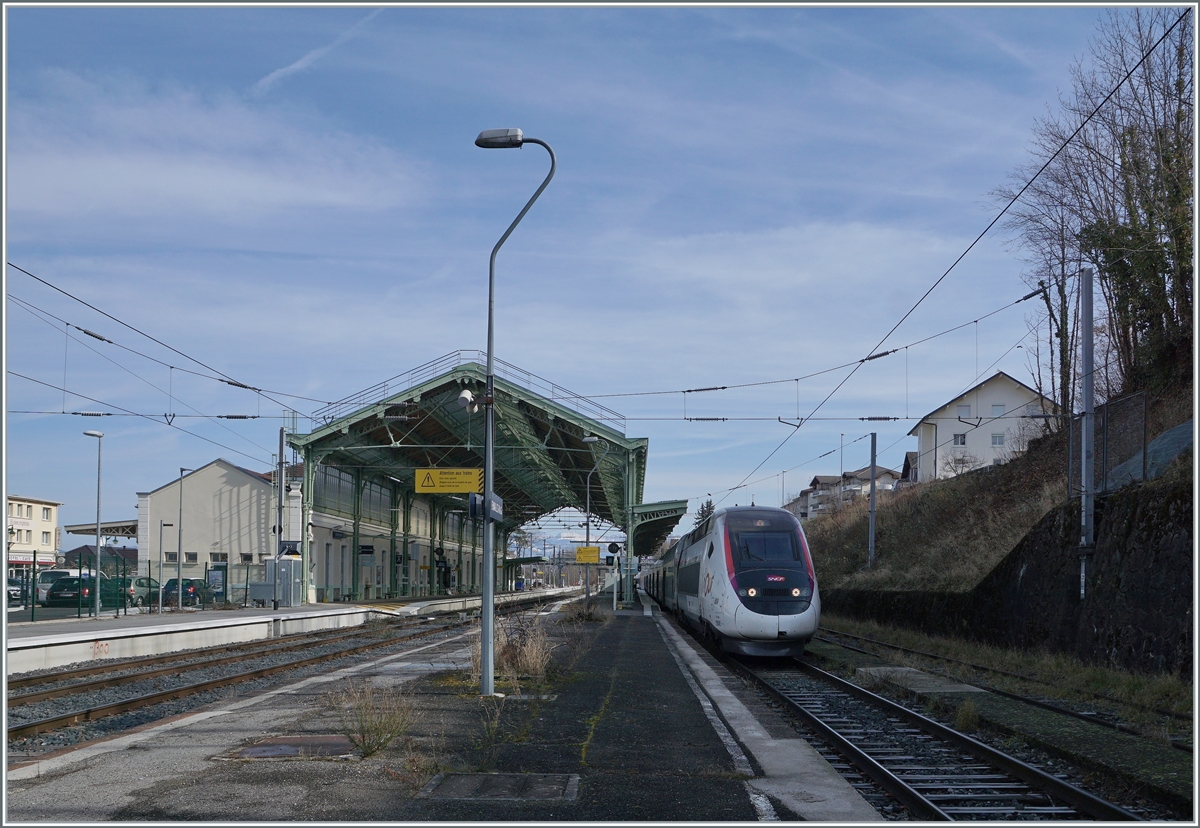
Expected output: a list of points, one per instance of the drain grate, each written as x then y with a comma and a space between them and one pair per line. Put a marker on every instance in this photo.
333, 745
503, 786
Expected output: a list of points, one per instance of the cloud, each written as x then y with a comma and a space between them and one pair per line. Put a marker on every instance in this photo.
115, 150
265, 84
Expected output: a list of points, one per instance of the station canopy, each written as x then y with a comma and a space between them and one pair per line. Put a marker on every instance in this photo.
415, 421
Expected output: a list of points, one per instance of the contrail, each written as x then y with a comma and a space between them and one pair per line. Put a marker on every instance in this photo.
309, 59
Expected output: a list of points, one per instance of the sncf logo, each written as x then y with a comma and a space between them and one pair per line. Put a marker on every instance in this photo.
774, 577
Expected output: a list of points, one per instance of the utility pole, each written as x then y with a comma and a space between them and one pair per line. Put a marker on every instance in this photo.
1087, 503
871, 526
278, 526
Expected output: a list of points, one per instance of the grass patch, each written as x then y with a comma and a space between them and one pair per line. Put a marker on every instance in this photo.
1039, 673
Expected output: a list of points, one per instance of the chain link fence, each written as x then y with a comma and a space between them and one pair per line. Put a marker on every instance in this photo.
1120, 445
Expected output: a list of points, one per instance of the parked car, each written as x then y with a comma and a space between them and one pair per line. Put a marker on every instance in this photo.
65, 592
140, 591
195, 591
17, 591
48, 576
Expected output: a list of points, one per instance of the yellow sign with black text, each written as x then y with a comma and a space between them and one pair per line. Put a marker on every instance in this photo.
449, 480
587, 554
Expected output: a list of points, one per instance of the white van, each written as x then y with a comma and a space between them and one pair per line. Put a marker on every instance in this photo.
48, 576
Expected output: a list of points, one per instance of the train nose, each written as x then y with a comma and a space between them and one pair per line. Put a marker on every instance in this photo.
755, 625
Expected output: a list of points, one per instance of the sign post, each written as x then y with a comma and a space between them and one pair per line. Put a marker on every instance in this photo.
587, 555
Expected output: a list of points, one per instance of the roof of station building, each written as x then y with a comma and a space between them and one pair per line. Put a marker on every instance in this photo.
414, 421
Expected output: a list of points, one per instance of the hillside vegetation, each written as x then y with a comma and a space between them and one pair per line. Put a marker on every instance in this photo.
948, 535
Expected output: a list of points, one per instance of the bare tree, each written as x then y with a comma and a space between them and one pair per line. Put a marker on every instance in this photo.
1118, 197
957, 461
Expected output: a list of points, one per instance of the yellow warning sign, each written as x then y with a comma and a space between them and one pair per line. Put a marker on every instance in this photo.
587, 554
449, 480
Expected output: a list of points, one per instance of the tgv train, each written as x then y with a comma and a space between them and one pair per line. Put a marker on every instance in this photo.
743, 577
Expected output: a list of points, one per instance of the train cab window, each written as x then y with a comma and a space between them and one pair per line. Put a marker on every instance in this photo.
763, 538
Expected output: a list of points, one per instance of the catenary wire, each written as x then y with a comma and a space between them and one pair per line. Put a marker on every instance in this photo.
230, 380
153, 419
156, 388
29, 306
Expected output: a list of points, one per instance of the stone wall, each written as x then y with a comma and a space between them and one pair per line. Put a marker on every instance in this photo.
1137, 612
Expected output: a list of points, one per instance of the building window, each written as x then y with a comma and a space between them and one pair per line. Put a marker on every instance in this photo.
45, 538
172, 557
190, 557
10, 511
219, 557
998, 440
29, 534
997, 462
45, 513
960, 439
247, 557
28, 511
997, 411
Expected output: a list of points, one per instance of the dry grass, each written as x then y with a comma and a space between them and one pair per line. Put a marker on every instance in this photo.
523, 652
948, 535
582, 611
372, 717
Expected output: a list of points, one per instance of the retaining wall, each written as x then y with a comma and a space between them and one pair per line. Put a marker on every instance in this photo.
1137, 612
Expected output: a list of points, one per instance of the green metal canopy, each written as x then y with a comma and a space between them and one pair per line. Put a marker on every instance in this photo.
414, 421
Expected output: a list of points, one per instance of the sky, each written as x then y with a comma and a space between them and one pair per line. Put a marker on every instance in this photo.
291, 197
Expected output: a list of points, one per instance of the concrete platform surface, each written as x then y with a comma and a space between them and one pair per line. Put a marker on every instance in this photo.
641, 725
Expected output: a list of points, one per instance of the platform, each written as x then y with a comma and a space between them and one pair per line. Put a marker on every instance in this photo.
647, 727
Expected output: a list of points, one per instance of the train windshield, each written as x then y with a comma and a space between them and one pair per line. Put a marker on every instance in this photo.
762, 538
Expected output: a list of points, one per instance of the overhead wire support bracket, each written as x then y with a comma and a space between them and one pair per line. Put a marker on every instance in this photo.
796, 424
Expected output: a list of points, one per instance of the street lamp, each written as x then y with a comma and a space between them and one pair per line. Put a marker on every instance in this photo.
179, 547
588, 532
99, 443
160, 563
495, 139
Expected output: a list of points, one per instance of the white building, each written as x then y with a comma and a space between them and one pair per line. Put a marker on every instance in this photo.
32, 533
985, 425
224, 516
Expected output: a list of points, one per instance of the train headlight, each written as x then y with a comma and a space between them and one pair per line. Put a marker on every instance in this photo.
795, 592
752, 592
742, 593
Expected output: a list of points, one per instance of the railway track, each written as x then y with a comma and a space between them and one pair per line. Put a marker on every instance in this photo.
935, 772
1104, 720
23, 708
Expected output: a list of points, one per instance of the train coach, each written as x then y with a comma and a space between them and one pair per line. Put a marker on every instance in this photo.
744, 578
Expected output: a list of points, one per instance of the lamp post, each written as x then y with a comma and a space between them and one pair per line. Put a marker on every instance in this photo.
587, 533
160, 563
99, 435
495, 139
179, 547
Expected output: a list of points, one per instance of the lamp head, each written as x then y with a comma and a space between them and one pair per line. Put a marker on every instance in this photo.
466, 400
500, 139
591, 439
93, 434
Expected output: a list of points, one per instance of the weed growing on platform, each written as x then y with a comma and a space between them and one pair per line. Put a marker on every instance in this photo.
966, 717
522, 652
373, 717
491, 711
582, 611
